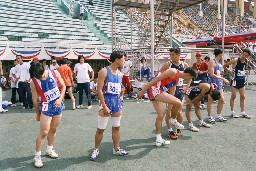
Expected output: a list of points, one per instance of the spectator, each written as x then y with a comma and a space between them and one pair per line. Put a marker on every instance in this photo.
144, 69
90, 2
81, 12
81, 71
1, 73
201, 67
35, 60
14, 85
22, 73
54, 65
45, 64
126, 75
67, 76
93, 86
3, 82
207, 59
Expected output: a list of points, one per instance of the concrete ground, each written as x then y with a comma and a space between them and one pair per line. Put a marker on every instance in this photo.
225, 146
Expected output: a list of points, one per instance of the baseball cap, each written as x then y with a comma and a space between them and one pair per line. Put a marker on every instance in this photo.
35, 59
198, 54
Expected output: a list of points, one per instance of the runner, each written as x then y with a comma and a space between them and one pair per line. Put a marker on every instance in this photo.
238, 83
45, 84
198, 90
109, 94
157, 88
178, 90
215, 77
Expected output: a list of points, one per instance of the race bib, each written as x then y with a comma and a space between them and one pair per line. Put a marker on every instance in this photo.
52, 94
114, 88
240, 73
44, 106
180, 83
218, 72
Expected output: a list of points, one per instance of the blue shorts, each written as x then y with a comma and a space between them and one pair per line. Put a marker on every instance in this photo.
52, 110
178, 94
114, 103
217, 82
240, 83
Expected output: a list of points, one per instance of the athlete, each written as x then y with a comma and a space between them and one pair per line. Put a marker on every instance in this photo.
109, 94
238, 83
157, 88
215, 77
46, 84
197, 91
178, 90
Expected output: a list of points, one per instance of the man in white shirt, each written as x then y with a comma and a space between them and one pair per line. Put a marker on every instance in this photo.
14, 85
126, 74
81, 74
54, 65
23, 76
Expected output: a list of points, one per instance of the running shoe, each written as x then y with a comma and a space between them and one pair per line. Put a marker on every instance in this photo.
211, 120
162, 143
193, 128
120, 152
176, 124
79, 106
203, 124
221, 119
89, 107
172, 135
178, 132
234, 115
95, 154
13, 105
244, 115
38, 162
52, 154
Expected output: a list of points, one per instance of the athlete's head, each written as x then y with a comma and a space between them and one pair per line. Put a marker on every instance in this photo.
215, 94
175, 53
246, 53
118, 58
63, 61
218, 52
36, 70
190, 73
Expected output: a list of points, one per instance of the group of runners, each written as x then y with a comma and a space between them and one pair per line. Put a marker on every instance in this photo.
165, 87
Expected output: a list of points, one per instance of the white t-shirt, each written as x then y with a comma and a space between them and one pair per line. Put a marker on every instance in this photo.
54, 67
12, 71
22, 71
144, 65
82, 72
126, 67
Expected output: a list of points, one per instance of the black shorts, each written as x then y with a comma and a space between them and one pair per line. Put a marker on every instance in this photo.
81, 14
67, 87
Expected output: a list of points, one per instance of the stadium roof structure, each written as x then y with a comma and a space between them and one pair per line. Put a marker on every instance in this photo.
165, 4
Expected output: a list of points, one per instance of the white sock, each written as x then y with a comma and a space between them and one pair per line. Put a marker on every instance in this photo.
173, 121
38, 154
159, 138
218, 115
74, 105
233, 111
190, 124
170, 130
243, 113
49, 148
201, 121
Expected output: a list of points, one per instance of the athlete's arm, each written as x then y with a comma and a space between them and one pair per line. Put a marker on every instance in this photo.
225, 66
168, 73
62, 89
205, 87
35, 100
185, 88
164, 67
102, 77
123, 88
211, 67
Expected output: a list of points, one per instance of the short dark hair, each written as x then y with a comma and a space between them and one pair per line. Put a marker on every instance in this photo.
116, 55
63, 61
36, 70
142, 59
207, 57
19, 56
215, 95
43, 60
247, 51
53, 57
79, 57
191, 71
175, 50
217, 52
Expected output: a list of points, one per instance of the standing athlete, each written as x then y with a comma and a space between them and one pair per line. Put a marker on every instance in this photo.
238, 83
178, 90
46, 84
109, 94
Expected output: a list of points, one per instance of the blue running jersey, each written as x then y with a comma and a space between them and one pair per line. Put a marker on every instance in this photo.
216, 72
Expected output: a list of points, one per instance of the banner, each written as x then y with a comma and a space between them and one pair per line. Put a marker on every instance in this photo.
25, 53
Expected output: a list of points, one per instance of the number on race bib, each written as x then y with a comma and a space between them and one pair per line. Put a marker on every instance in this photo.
114, 88
44, 106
